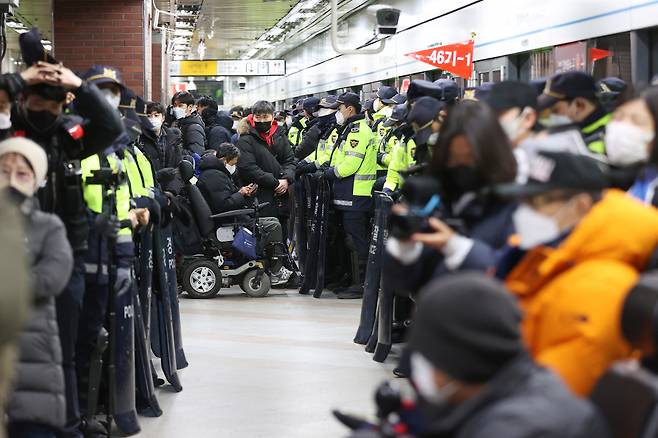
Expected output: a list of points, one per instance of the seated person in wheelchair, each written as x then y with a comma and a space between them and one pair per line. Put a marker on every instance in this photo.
217, 185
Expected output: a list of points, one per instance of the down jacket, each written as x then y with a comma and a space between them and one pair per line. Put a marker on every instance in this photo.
39, 388
217, 186
265, 162
573, 295
194, 134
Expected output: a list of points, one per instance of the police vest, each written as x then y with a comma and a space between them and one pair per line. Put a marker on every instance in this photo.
355, 163
295, 134
93, 194
402, 157
140, 172
594, 134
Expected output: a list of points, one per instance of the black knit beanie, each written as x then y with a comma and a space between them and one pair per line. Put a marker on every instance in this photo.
467, 326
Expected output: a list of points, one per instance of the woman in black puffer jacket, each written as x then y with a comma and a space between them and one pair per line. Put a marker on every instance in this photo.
37, 406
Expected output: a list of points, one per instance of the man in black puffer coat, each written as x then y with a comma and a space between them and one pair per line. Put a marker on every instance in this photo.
191, 125
218, 127
267, 160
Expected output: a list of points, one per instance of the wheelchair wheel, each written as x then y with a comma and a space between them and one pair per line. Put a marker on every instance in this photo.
255, 288
202, 279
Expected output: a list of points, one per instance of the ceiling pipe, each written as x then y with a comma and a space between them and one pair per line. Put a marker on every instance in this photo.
334, 37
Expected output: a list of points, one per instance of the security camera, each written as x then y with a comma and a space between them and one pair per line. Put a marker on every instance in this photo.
387, 20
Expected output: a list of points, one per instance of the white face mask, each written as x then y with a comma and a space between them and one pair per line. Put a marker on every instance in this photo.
534, 228
235, 125
113, 99
377, 105
5, 121
555, 120
422, 374
626, 144
325, 112
288, 121
433, 139
179, 113
512, 127
387, 112
231, 168
340, 118
156, 122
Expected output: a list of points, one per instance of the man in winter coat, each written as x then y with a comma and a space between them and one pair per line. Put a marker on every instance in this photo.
37, 406
580, 252
161, 144
218, 127
473, 376
267, 160
191, 125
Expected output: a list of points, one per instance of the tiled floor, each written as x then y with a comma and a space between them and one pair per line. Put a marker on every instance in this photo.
270, 367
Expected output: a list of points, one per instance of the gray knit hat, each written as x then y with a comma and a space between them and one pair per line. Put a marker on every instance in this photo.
467, 326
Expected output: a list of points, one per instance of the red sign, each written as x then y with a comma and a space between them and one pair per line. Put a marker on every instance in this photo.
405, 86
454, 58
599, 53
178, 86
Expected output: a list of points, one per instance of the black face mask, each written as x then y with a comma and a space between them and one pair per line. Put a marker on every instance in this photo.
42, 121
462, 179
263, 127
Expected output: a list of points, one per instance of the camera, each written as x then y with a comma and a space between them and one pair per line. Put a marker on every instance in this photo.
420, 193
387, 20
106, 177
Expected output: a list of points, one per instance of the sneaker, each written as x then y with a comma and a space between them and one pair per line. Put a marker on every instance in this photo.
280, 277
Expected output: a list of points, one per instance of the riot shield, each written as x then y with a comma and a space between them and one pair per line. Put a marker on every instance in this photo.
310, 268
300, 223
324, 198
373, 269
162, 326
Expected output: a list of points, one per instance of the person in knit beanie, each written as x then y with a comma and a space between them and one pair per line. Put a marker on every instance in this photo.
472, 374
36, 406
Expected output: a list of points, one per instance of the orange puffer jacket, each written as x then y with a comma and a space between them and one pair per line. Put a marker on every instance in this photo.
573, 296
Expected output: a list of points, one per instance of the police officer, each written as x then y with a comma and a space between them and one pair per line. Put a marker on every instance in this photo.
426, 118
353, 168
316, 145
569, 102
107, 223
404, 148
298, 124
386, 140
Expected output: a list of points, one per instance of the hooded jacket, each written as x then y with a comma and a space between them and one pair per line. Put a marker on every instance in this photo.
217, 186
194, 133
264, 160
219, 130
521, 401
39, 389
573, 295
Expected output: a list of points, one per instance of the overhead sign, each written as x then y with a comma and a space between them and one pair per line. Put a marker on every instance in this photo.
228, 67
454, 58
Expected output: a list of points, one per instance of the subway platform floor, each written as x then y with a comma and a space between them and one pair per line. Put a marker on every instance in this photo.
268, 367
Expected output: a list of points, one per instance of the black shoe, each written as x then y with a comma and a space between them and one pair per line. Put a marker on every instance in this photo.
351, 293
295, 281
343, 282
399, 372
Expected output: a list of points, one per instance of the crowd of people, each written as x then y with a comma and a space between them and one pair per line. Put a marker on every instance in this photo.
520, 232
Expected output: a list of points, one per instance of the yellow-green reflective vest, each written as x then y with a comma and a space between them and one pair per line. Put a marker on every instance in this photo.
295, 134
93, 193
355, 163
402, 157
595, 133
